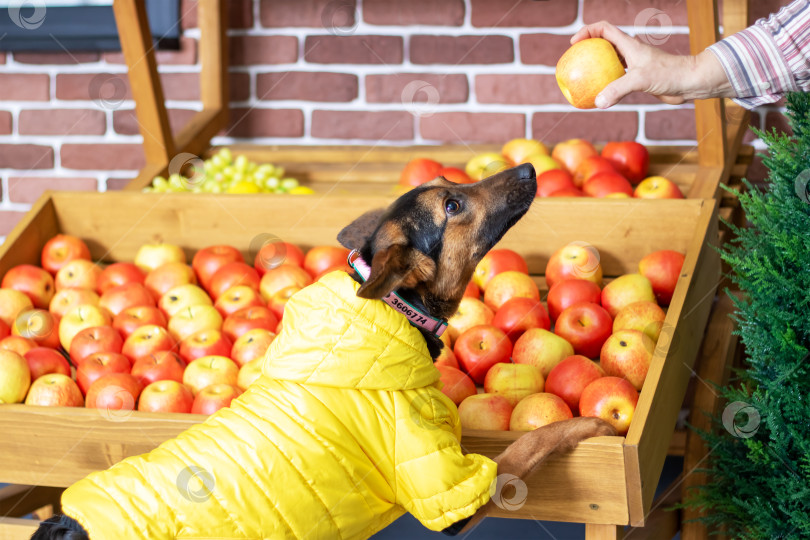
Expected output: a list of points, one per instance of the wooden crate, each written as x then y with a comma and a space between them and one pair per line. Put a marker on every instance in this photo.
605, 482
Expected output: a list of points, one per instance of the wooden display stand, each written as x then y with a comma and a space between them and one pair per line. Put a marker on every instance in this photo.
606, 483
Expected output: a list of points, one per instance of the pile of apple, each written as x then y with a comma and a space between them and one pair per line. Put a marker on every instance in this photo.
593, 363
222, 173
573, 168
156, 334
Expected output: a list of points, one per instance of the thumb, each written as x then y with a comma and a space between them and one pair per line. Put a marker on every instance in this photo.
615, 91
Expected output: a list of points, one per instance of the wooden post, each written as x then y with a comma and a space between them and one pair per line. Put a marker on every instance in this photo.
603, 532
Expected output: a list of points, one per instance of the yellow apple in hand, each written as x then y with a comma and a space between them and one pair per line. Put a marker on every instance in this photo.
586, 69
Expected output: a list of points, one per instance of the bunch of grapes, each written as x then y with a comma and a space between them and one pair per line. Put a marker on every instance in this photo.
224, 174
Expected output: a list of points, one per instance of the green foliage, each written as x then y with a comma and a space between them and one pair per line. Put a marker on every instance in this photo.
759, 462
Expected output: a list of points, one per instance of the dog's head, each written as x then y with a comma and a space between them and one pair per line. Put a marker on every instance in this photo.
431, 238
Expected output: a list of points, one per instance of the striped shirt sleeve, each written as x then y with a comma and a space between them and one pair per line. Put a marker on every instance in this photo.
770, 58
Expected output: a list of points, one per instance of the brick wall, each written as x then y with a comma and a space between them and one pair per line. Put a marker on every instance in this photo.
337, 72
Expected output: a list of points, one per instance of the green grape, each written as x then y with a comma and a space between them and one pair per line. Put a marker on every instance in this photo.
238, 177
176, 182
260, 176
209, 185
229, 171
266, 169
289, 183
159, 181
241, 163
279, 171
272, 182
216, 189
148, 189
226, 154
216, 162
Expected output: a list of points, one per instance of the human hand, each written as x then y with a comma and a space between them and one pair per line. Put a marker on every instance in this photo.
671, 78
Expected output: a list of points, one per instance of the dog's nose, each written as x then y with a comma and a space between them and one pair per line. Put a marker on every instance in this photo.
525, 171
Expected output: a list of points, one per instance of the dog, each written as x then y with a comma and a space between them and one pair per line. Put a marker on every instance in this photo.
347, 428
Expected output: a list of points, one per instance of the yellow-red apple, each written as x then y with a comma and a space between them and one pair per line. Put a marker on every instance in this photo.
211, 342
65, 299
117, 274
572, 152
193, 319
215, 397
54, 390
471, 312
43, 360
628, 354
577, 260
662, 268
60, 250
209, 370
15, 377
645, 316
517, 150
585, 69
166, 396
570, 377
538, 410
78, 274
657, 187
514, 381
508, 285
485, 165
485, 411
568, 292
117, 299
612, 399
586, 326
160, 280
542, 349
181, 297
236, 298
94, 340
495, 262
456, 384
248, 373
250, 346
79, 318
147, 339
625, 290
480, 348
519, 314
32, 281
152, 256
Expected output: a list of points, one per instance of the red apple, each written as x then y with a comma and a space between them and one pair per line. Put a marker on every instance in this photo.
248, 319
249, 373
513, 381
15, 377
418, 171
54, 390
485, 411
647, 317
628, 354
553, 180
341, 267
209, 370
133, 318
518, 150
495, 262
62, 249
570, 291
42, 360
480, 348
279, 300
39, 326
612, 399
208, 260
471, 312
572, 152
151, 256
572, 191
589, 167
542, 349
5, 331
276, 253
472, 290
166, 396
231, 275
456, 385
93, 340
12, 303
518, 314
158, 366
78, 274
629, 158
625, 290
205, 343
657, 187
17, 344
446, 358
538, 410
147, 339
662, 268
285, 275
586, 326
237, 298
98, 364
455, 175
114, 392
570, 377
321, 258
117, 299
508, 285
215, 397
194, 319
118, 274
181, 297
32, 281
79, 318
577, 260
607, 183
250, 346
160, 280
66, 299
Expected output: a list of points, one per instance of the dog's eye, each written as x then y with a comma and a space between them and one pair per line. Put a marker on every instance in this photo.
452, 206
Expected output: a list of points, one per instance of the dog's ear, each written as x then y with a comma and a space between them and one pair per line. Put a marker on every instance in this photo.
354, 236
394, 267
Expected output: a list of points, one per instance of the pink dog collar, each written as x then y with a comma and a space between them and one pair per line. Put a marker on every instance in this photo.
415, 317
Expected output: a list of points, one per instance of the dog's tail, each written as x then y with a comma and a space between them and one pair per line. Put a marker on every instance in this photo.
60, 528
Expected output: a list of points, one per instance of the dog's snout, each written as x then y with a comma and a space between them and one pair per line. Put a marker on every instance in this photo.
526, 171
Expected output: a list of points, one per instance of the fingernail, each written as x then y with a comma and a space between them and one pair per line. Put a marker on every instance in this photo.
600, 102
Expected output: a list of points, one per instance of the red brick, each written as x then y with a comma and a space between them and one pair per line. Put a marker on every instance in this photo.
181, 86
266, 123
775, 119
640, 98
518, 89
2, 58
755, 121
635, 12
251, 50
335, 15
111, 88
8, 220
239, 86
186, 55
543, 49
671, 43
62, 122
353, 49
597, 126
462, 127
117, 184
126, 123
309, 86
461, 49
55, 58
764, 8
428, 12
5, 123
25, 156
381, 125
27, 189
670, 124
523, 13
88, 157
24, 87
399, 87
240, 13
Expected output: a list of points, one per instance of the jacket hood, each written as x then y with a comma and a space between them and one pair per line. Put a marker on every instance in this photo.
332, 337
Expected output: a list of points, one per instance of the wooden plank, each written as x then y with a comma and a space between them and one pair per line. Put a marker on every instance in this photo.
24, 243
717, 353
146, 175
17, 501
17, 529
735, 16
147, 91
671, 369
663, 522
603, 532
212, 17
